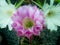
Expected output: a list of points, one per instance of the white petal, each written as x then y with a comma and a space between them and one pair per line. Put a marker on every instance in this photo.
45, 7
3, 3
10, 27
51, 2
9, 24
51, 26
4, 15
56, 21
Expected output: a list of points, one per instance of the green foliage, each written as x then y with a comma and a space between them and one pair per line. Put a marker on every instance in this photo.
49, 37
46, 37
39, 2
58, 36
10, 37
57, 0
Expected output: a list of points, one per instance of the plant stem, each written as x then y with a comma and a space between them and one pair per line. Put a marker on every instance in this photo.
37, 4
22, 40
19, 3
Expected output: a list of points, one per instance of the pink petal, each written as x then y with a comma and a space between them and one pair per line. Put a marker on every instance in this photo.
14, 25
36, 32
28, 34
20, 33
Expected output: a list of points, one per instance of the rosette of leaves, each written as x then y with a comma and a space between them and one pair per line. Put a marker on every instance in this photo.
8, 37
49, 37
58, 36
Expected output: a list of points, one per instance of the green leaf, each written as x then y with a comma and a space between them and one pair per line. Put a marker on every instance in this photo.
57, 0
38, 4
19, 4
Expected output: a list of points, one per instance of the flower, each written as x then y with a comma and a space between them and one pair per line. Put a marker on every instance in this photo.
28, 20
52, 15
6, 11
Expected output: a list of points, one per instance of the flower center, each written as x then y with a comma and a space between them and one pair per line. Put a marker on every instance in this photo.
10, 12
28, 23
50, 13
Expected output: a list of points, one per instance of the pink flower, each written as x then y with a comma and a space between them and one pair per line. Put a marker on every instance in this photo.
28, 21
